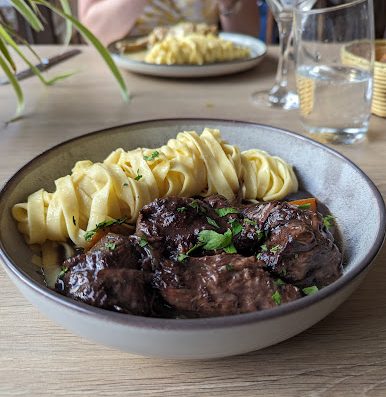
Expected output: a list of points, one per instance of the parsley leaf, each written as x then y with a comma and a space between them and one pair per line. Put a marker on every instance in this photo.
260, 234
212, 222
275, 248
194, 204
196, 246
236, 228
250, 222
99, 226
152, 156
143, 242
258, 256
138, 177
225, 211
181, 209
277, 297
229, 267
279, 282
283, 272
109, 245
213, 240
306, 206
230, 249
182, 257
63, 271
310, 290
264, 248
328, 221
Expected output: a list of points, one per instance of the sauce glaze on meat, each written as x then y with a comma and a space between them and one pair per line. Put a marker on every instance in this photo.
164, 270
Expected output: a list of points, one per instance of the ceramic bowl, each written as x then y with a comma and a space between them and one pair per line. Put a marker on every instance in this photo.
333, 179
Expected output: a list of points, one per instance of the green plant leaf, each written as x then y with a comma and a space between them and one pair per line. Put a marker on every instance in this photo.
95, 42
6, 37
67, 9
25, 10
7, 55
12, 32
16, 87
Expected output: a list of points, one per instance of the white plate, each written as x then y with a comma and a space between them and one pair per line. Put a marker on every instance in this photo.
133, 63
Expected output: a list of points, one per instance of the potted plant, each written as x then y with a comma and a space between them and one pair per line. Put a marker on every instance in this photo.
29, 9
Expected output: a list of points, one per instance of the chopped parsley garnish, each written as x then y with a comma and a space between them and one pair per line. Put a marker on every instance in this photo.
279, 282
181, 209
250, 222
109, 245
212, 240
236, 228
125, 184
182, 257
231, 249
138, 177
264, 248
212, 222
310, 290
258, 256
143, 242
194, 204
328, 221
99, 226
229, 267
277, 297
73, 220
275, 248
260, 234
226, 211
196, 246
306, 206
283, 272
154, 155
63, 271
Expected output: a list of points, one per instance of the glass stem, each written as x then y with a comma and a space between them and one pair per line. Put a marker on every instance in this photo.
285, 28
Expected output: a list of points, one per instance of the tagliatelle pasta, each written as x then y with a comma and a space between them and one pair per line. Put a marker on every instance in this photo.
188, 165
194, 49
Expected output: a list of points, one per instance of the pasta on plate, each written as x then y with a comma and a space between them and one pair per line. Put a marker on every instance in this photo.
194, 49
125, 181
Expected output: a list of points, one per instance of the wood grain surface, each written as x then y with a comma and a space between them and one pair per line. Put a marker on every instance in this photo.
343, 355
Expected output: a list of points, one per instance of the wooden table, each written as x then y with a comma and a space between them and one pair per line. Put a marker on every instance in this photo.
342, 355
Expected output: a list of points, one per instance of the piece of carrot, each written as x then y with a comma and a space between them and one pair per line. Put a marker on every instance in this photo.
308, 203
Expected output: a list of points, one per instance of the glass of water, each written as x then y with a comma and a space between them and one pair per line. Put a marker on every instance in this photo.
334, 88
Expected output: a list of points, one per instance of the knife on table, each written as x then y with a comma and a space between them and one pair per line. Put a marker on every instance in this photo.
45, 64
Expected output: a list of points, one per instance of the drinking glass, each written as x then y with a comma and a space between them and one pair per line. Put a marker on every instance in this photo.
334, 50
279, 96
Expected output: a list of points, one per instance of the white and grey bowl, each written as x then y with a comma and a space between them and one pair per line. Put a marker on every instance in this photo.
333, 179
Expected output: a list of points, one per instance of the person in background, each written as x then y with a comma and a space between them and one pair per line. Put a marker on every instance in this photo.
114, 20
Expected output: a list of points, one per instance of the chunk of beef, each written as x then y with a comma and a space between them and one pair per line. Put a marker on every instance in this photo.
175, 223
298, 247
220, 285
246, 233
113, 274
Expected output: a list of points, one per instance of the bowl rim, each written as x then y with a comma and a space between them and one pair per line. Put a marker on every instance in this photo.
188, 325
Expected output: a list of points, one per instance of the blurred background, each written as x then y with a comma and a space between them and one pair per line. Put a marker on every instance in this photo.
55, 26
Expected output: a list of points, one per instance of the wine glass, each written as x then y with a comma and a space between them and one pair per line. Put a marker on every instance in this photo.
279, 96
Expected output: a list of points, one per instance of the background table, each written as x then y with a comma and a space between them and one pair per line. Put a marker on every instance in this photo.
343, 355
